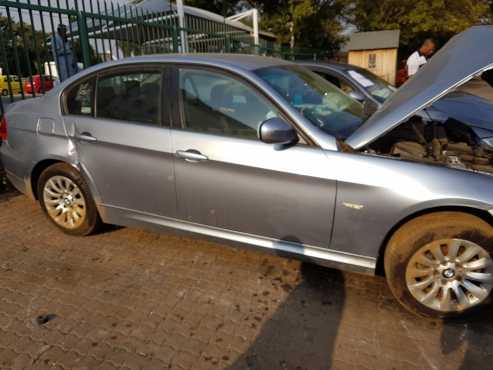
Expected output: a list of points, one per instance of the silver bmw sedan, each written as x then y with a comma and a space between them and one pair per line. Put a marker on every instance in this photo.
260, 152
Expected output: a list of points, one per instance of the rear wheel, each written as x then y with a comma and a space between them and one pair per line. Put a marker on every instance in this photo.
440, 265
5, 92
65, 198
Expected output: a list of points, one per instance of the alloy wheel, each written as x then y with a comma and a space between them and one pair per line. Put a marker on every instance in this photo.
450, 275
64, 202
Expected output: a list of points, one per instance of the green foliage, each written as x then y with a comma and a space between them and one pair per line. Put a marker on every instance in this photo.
33, 48
223, 7
318, 23
313, 24
29, 47
418, 19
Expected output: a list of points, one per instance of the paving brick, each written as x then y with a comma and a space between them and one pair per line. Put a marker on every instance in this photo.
128, 299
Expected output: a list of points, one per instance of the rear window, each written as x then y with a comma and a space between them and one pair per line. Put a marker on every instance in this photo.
130, 96
80, 98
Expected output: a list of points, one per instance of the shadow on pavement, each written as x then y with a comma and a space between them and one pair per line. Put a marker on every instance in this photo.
301, 334
470, 333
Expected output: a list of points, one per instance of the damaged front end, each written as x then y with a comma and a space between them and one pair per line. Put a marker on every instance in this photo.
452, 143
429, 119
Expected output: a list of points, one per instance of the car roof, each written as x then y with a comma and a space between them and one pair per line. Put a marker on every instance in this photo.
240, 61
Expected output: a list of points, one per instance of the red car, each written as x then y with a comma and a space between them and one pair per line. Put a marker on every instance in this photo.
38, 88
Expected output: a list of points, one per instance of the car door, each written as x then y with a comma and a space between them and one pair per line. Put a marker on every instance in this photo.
227, 178
120, 124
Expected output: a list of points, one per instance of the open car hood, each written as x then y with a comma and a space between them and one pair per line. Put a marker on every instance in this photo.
466, 55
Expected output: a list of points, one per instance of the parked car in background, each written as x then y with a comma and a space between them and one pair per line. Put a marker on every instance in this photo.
357, 82
15, 85
265, 153
39, 87
470, 105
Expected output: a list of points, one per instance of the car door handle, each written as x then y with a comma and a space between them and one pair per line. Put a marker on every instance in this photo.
85, 136
191, 155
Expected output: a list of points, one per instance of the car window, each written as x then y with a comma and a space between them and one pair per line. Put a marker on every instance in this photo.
347, 88
377, 87
80, 99
130, 96
339, 82
332, 79
218, 104
318, 100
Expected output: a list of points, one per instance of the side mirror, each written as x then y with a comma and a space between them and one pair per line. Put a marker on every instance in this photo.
277, 131
356, 95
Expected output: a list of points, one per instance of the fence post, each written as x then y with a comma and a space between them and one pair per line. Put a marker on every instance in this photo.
182, 24
84, 40
174, 35
227, 44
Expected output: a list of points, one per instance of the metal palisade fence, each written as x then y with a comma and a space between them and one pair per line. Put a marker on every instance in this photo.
98, 31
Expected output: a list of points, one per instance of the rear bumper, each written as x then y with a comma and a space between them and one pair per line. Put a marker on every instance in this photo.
14, 170
17, 182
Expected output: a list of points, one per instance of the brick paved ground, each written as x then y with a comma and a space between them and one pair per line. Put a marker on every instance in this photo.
130, 299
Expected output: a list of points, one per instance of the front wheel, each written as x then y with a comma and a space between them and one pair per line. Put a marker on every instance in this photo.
5, 92
440, 265
65, 198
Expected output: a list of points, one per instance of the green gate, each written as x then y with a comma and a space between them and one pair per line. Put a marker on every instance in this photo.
99, 31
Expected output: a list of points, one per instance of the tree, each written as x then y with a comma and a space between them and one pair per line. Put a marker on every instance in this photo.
419, 19
23, 51
223, 7
20, 48
314, 24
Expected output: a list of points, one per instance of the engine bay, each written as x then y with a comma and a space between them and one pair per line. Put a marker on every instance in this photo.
450, 143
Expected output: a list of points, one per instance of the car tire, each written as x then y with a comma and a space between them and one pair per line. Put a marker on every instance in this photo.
66, 200
5, 92
440, 265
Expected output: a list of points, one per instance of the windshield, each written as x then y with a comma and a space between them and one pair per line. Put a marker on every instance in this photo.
374, 85
322, 103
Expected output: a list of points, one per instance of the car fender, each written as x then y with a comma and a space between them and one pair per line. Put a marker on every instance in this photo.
376, 193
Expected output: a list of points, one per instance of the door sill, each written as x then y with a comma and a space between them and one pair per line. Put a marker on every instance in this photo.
321, 256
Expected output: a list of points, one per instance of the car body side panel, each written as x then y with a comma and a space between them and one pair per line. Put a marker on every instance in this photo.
321, 256
376, 193
130, 164
249, 186
373, 193
36, 133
